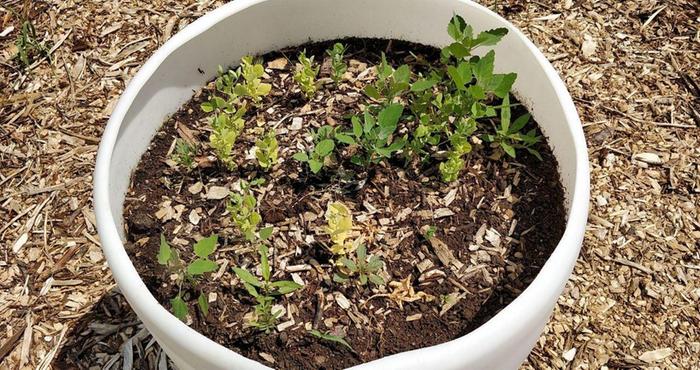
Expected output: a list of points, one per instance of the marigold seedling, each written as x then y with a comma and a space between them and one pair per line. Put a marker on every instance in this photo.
190, 273
365, 269
305, 75
509, 137
264, 291
266, 150
243, 209
184, 154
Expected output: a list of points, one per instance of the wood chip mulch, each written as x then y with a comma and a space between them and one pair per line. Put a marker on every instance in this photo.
631, 67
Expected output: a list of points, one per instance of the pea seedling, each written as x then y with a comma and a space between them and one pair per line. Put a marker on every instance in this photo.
252, 85
169, 257
338, 66
264, 291
323, 148
266, 150
242, 207
227, 126
305, 75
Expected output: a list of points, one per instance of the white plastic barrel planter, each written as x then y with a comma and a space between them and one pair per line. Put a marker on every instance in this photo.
243, 27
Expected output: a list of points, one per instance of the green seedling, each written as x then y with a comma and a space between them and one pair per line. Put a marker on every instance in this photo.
323, 148
184, 154
460, 146
252, 86
266, 150
390, 82
227, 125
29, 49
265, 292
509, 137
464, 40
191, 273
365, 269
330, 337
339, 219
305, 75
375, 135
338, 65
242, 207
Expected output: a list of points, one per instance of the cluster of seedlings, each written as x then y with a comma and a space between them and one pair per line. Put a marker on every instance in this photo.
429, 117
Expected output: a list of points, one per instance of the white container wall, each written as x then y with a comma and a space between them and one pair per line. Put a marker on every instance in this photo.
170, 77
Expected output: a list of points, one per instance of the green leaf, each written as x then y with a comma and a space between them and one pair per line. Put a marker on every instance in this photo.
207, 107
356, 127
519, 123
348, 263
247, 277
179, 307
315, 165
508, 149
206, 246
363, 279
330, 337
402, 74
338, 278
483, 69
203, 303
502, 84
422, 85
388, 119
376, 279
505, 115
201, 266
264, 262
372, 92
164, 253
458, 29
490, 37
301, 157
324, 147
458, 50
345, 139
285, 286
361, 252
265, 233
535, 153
251, 289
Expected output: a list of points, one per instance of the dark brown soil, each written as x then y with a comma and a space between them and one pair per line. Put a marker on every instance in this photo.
506, 218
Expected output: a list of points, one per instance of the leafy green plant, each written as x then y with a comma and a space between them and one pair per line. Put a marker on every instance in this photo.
227, 125
338, 65
464, 40
184, 154
365, 269
242, 207
508, 136
460, 146
375, 135
266, 150
167, 256
330, 337
252, 85
323, 148
264, 291
305, 75
390, 82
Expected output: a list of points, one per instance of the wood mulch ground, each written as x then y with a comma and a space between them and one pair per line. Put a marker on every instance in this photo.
631, 67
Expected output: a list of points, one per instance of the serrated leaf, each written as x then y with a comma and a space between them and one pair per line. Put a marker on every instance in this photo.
179, 307
324, 147
483, 69
206, 246
203, 304
301, 157
457, 28
490, 37
402, 74
247, 277
201, 266
165, 252
502, 83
